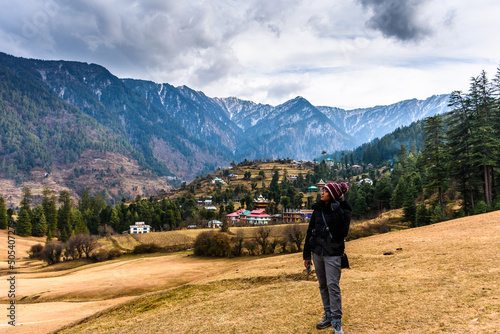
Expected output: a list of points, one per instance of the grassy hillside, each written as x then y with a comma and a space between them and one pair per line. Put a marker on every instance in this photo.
440, 278
203, 187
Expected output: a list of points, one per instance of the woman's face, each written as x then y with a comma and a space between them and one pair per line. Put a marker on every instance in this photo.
325, 195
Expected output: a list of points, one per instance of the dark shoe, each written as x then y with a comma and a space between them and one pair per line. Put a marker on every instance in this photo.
326, 322
337, 326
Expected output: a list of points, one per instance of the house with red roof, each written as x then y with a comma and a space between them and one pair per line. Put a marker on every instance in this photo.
235, 216
258, 217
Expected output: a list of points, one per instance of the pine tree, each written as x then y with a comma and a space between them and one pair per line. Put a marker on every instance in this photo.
49, 236
26, 201
50, 209
409, 206
434, 155
484, 143
23, 224
64, 213
459, 145
79, 226
64, 235
360, 206
422, 216
115, 220
3, 214
398, 196
39, 223
84, 202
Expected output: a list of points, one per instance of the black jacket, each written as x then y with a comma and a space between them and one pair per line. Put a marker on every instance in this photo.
338, 218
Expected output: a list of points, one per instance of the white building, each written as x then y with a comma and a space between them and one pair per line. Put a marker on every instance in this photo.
258, 217
215, 224
367, 180
139, 227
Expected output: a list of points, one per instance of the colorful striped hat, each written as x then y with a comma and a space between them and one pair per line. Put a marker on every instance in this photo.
336, 190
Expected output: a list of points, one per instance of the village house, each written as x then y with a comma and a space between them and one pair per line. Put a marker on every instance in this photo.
296, 216
234, 217
242, 217
214, 224
357, 168
260, 203
258, 217
367, 180
139, 227
218, 180
312, 189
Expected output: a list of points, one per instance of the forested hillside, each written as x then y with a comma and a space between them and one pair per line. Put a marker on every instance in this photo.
39, 130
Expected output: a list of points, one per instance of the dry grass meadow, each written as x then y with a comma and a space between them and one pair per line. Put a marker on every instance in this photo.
441, 278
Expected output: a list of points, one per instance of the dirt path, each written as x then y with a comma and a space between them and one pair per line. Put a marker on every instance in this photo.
48, 317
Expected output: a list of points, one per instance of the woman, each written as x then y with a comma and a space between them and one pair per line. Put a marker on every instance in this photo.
327, 229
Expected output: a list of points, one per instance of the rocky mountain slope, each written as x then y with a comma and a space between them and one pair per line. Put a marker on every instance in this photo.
69, 108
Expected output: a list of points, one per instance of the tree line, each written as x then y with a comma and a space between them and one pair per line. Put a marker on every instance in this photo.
458, 162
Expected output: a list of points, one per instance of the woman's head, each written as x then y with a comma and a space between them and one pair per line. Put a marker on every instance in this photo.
333, 191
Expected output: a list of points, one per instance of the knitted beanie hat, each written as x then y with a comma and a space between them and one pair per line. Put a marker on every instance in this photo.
336, 190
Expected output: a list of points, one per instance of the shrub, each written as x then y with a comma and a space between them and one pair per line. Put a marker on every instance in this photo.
251, 245
437, 215
283, 242
366, 230
114, 253
212, 244
220, 245
35, 251
103, 254
422, 216
75, 246
202, 243
481, 207
238, 245
105, 230
51, 252
272, 246
100, 255
146, 248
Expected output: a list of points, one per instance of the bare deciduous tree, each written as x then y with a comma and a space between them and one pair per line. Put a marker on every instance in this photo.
89, 244
262, 238
296, 235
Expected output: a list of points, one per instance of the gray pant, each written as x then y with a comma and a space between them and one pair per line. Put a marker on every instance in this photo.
328, 273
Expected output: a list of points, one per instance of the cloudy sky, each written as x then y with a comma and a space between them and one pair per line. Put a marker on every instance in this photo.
344, 53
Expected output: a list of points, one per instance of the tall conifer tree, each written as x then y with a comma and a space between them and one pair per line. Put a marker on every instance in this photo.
38, 223
485, 145
50, 209
459, 140
23, 228
435, 155
3, 214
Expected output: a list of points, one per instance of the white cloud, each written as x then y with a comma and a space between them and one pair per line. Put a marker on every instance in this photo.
337, 53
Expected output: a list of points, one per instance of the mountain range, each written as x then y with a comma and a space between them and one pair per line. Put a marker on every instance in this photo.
170, 131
